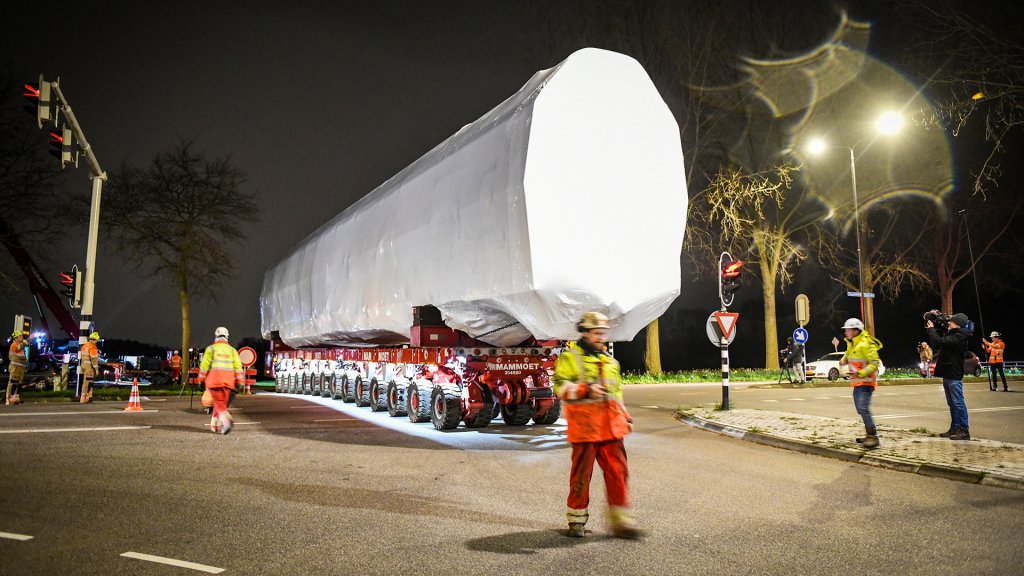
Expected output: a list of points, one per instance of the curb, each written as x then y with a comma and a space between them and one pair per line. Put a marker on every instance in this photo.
852, 455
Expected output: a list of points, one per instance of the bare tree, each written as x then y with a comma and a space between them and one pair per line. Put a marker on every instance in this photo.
751, 217
179, 218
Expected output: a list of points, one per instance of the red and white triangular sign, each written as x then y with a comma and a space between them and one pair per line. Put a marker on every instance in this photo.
726, 321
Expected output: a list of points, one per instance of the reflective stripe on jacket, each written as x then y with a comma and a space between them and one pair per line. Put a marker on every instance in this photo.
221, 367
590, 419
18, 355
995, 350
862, 354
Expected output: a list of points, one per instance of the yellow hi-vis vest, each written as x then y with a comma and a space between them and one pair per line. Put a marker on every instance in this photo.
862, 353
590, 419
221, 367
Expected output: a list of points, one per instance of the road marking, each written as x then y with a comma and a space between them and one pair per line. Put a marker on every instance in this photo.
771, 401
173, 562
207, 425
12, 536
822, 397
75, 413
103, 429
650, 406
797, 399
996, 409
335, 419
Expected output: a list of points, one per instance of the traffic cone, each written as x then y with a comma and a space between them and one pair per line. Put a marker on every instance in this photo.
134, 404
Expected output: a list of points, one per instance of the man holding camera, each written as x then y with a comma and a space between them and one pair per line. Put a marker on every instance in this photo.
949, 365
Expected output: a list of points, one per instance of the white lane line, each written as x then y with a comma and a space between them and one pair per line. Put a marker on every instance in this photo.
335, 419
969, 410
103, 429
822, 397
75, 413
797, 399
207, 425
12, 536
173, 562
650, 406
771, 401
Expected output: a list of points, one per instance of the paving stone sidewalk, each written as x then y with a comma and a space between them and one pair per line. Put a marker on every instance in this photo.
975, 461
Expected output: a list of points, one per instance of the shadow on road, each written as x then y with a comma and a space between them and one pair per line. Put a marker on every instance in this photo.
529, 542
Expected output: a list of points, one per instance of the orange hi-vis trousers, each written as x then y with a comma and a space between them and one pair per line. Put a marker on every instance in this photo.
611, 457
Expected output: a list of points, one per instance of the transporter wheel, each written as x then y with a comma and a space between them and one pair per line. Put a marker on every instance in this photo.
418, 403
445, 410
290, 383
516, 414
396, 399
307, 384
378, 395
347, 389
833, 375
552, 414
486, 413
330, 384
362, 392
337, 387
277, 382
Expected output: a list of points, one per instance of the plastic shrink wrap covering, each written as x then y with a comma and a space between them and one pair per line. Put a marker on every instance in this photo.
568, 196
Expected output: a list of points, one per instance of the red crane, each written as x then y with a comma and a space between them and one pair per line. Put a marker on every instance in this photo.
40, 287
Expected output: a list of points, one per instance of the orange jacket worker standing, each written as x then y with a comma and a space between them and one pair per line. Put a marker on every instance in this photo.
221, 370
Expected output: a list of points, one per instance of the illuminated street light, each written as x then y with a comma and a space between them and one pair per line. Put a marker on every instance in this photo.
888, 123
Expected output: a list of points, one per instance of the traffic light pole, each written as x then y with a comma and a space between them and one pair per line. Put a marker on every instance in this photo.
724, 342
98, 177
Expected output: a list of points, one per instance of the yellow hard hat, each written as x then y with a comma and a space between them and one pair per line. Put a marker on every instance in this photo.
15, 334
592, 320
94, 336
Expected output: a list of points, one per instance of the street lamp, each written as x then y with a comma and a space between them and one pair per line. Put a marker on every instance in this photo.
888, 123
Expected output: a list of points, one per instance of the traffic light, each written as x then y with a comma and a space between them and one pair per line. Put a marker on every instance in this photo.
23, 324
730, 279
72, 282
60, 145
37, 94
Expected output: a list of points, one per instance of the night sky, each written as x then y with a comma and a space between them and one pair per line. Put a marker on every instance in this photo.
318, 103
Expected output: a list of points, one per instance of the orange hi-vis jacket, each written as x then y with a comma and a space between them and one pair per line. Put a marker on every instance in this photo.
175, 361
18, 356
89, 358
590, 419
995, 350
221, 367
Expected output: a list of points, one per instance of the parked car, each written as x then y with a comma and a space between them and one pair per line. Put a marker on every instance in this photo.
972, 365
828, 367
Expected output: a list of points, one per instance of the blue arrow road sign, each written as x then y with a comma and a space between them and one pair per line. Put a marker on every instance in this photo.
800, 335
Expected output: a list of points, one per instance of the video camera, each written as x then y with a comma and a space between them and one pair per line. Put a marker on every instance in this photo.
939, 319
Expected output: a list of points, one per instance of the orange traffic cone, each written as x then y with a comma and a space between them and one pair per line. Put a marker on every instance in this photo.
134, 404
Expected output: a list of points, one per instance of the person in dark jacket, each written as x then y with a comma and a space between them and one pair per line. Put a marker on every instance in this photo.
952, 350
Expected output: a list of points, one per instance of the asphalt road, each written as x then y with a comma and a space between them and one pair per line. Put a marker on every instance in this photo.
992, 415
317, 486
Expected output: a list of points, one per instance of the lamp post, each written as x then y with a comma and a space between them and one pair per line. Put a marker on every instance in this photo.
974, 272
888, 123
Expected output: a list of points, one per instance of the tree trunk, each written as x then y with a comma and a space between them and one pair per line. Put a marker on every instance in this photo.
771, 329
652, 357
869, 315
186, 329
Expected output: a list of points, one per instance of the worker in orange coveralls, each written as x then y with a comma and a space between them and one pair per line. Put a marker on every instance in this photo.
588, 384
221, 370
175, 365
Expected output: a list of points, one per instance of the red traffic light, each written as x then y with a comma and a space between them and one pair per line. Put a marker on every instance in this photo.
56, 138
67, 278
732, 269
31, 90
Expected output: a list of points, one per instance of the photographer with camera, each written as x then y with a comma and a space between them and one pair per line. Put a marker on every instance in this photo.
948, 335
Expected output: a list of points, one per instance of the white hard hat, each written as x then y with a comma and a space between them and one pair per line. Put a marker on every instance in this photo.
995, 335
853, 323
220, 332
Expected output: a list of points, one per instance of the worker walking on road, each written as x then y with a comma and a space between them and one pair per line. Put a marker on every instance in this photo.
587, 382
89, 361
995, 360
221, 370
175, 365
18, 363
862, 356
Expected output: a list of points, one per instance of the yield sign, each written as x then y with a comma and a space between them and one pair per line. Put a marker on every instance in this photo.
726, 321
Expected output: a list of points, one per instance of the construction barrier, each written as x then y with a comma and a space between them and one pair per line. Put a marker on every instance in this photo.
250, 379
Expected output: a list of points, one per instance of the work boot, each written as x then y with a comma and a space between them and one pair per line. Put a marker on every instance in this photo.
961, 434
870, 439
226, 423
623, 524
577, 522
947, 433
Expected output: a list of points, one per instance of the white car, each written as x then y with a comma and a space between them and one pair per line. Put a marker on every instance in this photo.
828, 367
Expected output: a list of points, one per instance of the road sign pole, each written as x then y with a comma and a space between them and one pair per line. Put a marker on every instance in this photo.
725, 374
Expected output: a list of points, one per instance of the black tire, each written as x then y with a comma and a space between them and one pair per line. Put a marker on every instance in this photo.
516, 414
552, 414
396, 399
337, 388
418, 403
290, 383
486, 413
445, 410
348, 389
977, 372
362, 392
378, 395
307, 384
833, 375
